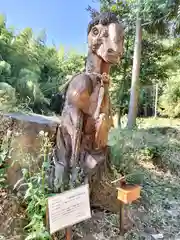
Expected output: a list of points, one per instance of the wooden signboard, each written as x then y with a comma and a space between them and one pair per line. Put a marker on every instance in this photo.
68, 208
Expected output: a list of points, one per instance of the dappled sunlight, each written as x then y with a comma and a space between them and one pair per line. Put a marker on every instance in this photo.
50, 139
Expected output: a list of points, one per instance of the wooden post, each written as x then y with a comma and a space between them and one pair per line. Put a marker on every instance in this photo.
121, 220
127, 193
69, 233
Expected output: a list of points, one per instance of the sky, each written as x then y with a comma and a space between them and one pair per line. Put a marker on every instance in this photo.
65, 21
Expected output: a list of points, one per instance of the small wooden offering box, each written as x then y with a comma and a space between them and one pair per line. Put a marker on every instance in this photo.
128, 193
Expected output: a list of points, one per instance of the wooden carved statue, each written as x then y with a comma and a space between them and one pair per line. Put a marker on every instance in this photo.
86, 116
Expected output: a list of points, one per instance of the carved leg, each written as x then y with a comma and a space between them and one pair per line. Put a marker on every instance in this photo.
59, 171
74, 164
62, 153
74, 177
86, 179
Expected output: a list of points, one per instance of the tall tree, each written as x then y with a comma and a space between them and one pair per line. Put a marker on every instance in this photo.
156, 17
133, 104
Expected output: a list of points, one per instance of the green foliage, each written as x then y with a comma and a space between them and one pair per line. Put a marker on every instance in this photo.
170, 99
2, 168
4, 153
149, 156
131, 150
36, 196
35, 71
159, 60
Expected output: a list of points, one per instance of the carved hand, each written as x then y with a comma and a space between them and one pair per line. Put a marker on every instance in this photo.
102, 130
105, 78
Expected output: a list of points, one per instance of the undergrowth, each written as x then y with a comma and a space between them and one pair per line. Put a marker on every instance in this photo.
151, 154
36, 195
4, 153
132, 148
2, 169
37, 192
148, 155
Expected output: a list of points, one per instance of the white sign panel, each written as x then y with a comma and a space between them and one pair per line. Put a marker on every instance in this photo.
69, 208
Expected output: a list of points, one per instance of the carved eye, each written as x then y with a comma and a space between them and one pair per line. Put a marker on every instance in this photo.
95, 31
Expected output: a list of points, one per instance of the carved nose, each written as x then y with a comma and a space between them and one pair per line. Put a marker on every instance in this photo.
110, 50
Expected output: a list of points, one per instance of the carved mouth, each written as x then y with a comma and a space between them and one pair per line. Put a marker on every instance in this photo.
113, 59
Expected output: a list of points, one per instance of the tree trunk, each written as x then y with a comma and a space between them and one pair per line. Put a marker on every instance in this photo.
119, 117
123, 84
133, 105
156, 101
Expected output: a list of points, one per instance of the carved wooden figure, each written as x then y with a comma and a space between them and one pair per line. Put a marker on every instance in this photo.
86, 116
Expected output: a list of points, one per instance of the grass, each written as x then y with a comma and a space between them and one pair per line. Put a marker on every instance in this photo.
35, 198
154, 150
150, 155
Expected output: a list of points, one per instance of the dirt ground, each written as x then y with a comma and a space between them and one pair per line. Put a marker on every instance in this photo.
102, 225
12, 217
141, 221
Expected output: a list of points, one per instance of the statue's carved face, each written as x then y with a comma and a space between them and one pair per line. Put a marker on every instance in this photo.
107, 41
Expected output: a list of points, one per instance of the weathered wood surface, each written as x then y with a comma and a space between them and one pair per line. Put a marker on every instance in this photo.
25, 143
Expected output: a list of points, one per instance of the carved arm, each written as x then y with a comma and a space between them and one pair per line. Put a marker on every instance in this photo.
79, 94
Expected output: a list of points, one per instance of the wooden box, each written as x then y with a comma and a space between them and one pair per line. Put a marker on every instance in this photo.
128, 193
